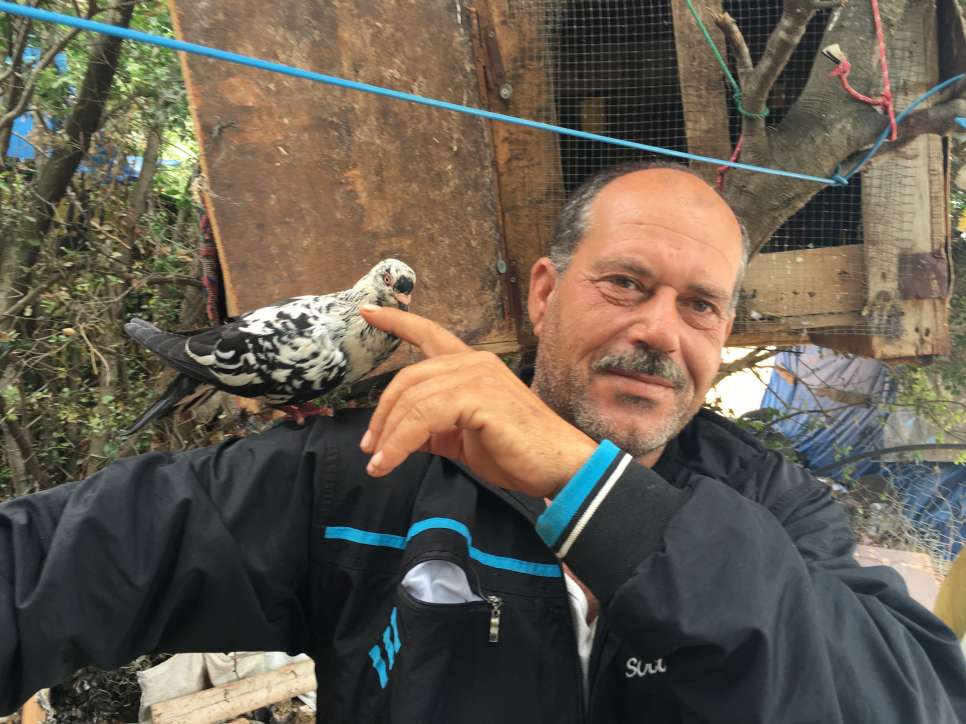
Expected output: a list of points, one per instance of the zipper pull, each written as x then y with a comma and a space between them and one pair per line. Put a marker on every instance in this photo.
496, 603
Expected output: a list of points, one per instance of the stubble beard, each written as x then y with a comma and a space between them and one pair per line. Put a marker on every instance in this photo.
562, 388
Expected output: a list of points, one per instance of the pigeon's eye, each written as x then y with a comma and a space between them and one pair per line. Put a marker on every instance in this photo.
387, 278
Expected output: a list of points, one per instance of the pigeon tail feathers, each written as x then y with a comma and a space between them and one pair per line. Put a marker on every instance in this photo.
180, 387
168, 346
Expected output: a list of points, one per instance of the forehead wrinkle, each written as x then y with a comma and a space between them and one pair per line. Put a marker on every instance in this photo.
640, 270
675, 231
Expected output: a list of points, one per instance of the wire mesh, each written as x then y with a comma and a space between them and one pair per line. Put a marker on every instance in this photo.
614, 70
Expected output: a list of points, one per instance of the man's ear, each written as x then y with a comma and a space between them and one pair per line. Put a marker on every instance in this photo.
543, 281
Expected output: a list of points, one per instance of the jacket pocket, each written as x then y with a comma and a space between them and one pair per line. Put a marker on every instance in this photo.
474, 656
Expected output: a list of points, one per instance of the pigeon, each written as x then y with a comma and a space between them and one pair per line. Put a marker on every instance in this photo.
285, 354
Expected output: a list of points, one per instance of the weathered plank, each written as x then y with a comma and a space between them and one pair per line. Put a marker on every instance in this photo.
905, 211
797, 330
514, 73
309, 185
806, 282
702, 90
229, 700
788, 296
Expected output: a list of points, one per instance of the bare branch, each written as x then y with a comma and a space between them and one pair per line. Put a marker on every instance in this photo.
756, 81
782, 42
744, 64
753, 358
27, 93
158, 279
25, 447
940, 120
24, 301
16, 51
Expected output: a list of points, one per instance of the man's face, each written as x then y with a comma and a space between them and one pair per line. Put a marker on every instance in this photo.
631, 334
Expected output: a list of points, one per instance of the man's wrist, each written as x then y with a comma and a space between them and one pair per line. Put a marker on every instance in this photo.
570, 497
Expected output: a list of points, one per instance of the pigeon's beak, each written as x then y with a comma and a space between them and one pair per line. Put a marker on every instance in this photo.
402, 291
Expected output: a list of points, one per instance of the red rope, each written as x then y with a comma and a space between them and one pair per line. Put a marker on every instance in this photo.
722, 170
884, 101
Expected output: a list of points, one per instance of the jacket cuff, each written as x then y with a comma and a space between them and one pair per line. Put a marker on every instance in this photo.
608, 518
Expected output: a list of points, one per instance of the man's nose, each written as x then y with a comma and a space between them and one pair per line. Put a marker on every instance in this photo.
657, 322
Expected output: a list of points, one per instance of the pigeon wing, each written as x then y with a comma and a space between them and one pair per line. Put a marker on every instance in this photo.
286, 352
170, 347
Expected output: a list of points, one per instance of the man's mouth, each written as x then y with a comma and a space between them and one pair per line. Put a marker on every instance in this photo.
647, 379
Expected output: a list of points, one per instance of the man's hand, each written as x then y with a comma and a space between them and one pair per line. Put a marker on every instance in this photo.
469, 407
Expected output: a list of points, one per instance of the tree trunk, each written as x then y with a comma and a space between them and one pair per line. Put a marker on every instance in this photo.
84, 120
21, 248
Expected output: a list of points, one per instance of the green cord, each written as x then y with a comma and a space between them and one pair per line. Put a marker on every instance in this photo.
724, 66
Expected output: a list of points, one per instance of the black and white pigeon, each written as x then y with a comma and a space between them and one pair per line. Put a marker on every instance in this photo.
285, 354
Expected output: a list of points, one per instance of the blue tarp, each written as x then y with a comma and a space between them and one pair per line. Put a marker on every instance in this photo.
101, 160
831, 405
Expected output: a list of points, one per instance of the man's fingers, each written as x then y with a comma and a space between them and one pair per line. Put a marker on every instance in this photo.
431, 338
408, 399
413, 433
413, 376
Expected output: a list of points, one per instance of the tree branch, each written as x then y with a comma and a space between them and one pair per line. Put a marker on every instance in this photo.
757, 81
887, 451
753, 358
25, 448
940, 120
27, 94
24, 301
733, 35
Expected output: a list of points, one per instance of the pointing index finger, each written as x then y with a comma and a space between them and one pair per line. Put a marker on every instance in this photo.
431, 338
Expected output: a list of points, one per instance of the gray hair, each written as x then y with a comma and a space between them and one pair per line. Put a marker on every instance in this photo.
574, 217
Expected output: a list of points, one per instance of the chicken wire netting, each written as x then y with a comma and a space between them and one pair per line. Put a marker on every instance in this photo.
613, 70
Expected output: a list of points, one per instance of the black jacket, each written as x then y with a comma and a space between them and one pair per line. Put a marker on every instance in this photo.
727, 587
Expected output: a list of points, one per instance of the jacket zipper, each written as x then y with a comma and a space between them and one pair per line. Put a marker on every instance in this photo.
494, 602
496, 606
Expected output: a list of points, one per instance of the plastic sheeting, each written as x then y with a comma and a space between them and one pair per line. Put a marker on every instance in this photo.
830, 406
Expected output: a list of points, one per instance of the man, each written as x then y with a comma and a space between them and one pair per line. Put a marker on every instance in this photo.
414, 556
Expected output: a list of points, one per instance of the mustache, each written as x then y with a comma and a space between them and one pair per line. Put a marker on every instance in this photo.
644, 361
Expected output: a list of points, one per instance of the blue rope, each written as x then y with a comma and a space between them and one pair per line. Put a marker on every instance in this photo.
57, 18
887, 130
203, 50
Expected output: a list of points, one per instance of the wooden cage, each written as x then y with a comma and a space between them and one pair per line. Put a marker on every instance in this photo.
309, 185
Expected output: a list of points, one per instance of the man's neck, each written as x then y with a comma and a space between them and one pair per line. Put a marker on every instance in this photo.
650, 459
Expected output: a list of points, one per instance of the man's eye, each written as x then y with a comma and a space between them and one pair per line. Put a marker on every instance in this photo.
699, 305
622, 282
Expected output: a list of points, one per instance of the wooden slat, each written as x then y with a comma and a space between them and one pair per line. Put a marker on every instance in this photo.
800, 283
790, 295
310, 185
905, 210
514, 73
796, 330
229, 700
702, 89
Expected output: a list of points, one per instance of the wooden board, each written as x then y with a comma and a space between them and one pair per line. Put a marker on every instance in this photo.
702, 90
308, 185
905, 211
800, 283
515, 80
